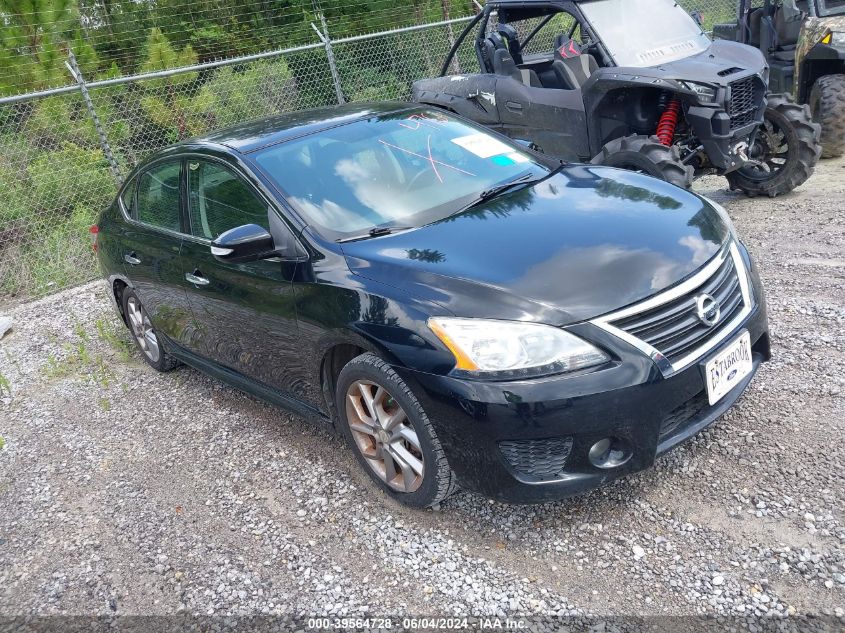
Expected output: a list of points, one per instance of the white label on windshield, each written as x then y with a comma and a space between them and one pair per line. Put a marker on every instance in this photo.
482, 145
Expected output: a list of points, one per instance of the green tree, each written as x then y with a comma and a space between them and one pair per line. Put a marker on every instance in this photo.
34, 39
172, 102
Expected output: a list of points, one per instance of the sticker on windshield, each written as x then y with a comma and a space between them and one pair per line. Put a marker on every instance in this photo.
482, 145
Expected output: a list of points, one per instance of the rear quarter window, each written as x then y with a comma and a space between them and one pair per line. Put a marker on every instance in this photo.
128, 198
157, 202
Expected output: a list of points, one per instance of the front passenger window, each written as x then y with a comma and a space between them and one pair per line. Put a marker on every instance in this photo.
220, 200
158, 196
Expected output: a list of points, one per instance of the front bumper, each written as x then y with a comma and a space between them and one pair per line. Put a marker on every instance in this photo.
723, 146
528, 441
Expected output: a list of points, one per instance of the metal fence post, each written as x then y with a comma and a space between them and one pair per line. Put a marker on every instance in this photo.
327, 42
73, 67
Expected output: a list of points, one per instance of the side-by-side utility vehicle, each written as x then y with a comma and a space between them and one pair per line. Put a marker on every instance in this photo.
804, 44
635, 84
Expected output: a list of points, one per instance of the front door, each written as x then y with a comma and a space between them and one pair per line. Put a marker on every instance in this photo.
245, 313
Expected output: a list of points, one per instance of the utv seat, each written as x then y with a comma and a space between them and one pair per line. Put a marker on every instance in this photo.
572, 70
504, 64
754, 24
786, 36
511, 39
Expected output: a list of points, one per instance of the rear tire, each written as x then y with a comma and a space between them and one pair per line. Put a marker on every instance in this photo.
390, 433
143, 333
827, 103
788, 147
645, 154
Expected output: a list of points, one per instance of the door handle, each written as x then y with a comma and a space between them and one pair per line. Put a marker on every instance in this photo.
131, 258
197, 278
514, 106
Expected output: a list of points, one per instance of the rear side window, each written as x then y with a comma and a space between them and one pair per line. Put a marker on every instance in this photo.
158, 196
128, 197
220, 200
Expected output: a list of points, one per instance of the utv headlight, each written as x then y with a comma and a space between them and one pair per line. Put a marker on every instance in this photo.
512, 349
707, 93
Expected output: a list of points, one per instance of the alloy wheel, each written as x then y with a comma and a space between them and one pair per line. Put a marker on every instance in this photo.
385, 436
142, 329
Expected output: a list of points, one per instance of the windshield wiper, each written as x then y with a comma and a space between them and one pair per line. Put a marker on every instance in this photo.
497, 190
376, 231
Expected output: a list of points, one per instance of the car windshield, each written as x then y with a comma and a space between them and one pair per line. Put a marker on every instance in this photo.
831, 7
643, 33
402, 169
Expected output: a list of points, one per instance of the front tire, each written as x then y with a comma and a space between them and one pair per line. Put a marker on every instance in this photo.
827, 103
390, 433
787, 148
645, 154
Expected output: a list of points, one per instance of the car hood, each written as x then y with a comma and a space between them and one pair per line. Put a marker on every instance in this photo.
580, 244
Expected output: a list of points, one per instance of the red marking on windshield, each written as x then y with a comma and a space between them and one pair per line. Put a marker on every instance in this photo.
416, 121
428, 158
431, 159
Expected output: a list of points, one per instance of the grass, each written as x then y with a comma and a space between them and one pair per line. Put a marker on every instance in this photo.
5, 386
113, 332
78, 358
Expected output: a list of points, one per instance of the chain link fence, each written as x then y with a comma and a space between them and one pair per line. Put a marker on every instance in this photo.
62, 157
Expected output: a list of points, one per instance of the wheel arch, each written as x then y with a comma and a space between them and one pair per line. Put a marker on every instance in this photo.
335, 352
814, 68
117, 286
616, 109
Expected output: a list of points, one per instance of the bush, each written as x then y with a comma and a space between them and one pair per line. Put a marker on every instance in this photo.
70, 176
235, 94
63, 257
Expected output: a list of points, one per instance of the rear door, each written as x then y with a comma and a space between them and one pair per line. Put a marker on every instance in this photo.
245, 313
151, 246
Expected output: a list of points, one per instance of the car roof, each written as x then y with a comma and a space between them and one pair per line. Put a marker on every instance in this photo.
252, 135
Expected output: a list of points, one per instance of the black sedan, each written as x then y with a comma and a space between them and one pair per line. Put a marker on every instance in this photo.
466, 312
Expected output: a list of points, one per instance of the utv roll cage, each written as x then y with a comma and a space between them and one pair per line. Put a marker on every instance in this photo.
516, 10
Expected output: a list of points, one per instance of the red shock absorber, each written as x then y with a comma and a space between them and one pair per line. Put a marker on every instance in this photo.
668, 122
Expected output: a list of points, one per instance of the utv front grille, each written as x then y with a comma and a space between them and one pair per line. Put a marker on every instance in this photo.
668, 325
537, 460
745, 100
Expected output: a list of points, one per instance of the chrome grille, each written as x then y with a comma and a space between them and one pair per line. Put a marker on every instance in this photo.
744, 103
667, 326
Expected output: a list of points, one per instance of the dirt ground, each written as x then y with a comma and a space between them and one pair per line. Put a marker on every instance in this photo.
123, 491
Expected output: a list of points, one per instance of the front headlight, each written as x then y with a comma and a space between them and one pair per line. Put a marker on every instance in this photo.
707, 93
512, 349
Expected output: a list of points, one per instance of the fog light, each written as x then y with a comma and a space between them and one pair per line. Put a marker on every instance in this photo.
611, 452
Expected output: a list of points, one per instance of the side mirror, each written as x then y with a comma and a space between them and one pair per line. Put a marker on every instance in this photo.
247, 243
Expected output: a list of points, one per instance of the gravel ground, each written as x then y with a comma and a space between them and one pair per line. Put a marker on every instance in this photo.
123, 491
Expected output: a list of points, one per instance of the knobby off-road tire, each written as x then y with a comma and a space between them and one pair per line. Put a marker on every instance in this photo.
645, 154
787, 144
376, 433
827, 103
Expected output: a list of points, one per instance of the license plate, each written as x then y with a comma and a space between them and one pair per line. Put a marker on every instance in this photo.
727, 370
